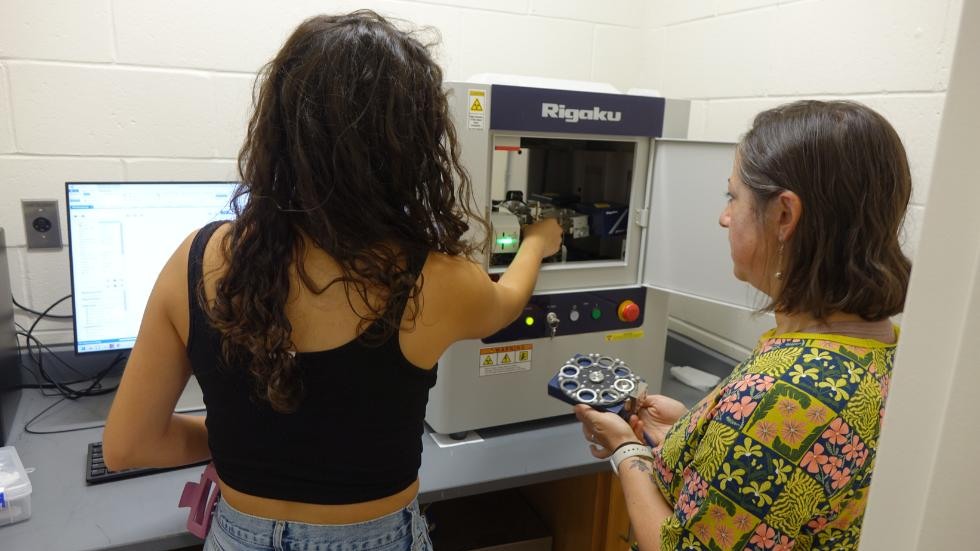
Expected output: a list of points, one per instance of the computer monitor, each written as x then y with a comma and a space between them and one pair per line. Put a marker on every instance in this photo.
120, 234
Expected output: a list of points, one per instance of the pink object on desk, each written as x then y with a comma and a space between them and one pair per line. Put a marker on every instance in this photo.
201, 497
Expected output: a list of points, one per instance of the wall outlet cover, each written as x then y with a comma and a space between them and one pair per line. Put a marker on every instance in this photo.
42, 224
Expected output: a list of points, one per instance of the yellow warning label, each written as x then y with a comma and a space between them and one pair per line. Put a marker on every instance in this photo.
511, 348
626, 335
499, 360
477, 117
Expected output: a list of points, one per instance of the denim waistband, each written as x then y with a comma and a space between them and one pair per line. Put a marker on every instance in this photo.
261, 532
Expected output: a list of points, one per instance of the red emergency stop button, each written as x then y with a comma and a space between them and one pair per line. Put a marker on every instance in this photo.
628, 311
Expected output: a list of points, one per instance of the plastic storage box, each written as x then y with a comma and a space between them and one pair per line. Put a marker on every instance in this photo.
15, 488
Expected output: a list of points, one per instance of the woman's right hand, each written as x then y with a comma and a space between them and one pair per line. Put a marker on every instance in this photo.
656, 414
490, 306
547, 232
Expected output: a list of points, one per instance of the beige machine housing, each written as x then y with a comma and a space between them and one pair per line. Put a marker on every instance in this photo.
673, 191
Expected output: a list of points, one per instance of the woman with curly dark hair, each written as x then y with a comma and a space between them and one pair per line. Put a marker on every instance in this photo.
314, 321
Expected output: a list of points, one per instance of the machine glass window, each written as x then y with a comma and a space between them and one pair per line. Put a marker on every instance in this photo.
585, 184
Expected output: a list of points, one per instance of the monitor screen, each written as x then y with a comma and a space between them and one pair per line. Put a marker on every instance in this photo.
120, 235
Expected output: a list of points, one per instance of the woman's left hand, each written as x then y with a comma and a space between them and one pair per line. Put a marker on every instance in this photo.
605, 431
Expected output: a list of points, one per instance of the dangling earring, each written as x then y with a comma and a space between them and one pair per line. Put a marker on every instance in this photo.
779, 261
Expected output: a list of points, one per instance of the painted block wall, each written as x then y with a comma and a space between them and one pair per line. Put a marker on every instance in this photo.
134, 90
925, 481
123, 89
735, 58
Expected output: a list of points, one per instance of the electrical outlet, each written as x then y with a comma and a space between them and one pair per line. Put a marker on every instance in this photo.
42, 224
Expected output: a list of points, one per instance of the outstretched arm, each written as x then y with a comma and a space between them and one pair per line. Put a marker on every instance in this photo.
488, 306
142, 429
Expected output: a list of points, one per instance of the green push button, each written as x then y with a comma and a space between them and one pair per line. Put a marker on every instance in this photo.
596, 313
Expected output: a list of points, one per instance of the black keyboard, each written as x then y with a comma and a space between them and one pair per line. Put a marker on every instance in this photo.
97, 473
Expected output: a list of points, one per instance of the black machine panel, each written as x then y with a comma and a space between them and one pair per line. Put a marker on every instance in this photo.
577, 313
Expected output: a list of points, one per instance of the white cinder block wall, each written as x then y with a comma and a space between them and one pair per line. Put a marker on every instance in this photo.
738, 57
139, 90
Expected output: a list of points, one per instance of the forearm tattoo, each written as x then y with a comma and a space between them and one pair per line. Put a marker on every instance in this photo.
641, 465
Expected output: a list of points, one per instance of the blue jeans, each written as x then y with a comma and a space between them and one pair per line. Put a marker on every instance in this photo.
403, 530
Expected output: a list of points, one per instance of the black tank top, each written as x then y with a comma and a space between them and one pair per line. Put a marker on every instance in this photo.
355, 437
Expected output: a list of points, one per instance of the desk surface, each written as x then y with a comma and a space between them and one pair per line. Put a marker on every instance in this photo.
142, 513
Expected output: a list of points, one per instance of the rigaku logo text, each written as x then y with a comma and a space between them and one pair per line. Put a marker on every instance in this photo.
559, 111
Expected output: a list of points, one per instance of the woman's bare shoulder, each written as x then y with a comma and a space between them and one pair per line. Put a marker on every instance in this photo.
443, 269
216, 255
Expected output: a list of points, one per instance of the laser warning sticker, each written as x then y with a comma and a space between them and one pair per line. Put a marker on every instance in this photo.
505, 359
477, 117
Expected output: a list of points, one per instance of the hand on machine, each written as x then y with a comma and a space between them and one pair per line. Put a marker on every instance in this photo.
515, 221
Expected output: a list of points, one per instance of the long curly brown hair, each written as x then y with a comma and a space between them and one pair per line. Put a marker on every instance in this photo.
350, 149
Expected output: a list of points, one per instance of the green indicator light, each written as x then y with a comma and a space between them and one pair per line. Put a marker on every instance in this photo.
505, 241
529, 321
596, 313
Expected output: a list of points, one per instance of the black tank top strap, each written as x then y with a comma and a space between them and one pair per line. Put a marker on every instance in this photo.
416, 261
195, 272
382, 329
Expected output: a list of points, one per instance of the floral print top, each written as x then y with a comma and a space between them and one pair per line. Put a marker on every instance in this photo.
780, 455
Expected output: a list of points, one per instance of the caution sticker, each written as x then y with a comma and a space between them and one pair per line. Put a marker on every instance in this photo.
477, 118
505, 359
625, 335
